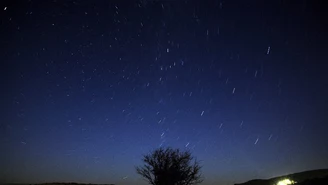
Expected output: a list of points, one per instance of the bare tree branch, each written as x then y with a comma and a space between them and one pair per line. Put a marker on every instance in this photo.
170, 167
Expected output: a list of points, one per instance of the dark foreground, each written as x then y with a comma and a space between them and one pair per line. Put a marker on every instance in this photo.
313, 177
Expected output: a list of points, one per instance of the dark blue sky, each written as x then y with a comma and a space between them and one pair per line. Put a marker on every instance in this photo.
91, 86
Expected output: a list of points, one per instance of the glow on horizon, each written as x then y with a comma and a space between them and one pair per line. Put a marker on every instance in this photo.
286, 182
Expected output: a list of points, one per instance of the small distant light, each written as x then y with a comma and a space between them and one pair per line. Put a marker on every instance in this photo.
5, 9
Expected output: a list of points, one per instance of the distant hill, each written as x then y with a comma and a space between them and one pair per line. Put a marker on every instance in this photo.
69, 183
55, 183
313, 177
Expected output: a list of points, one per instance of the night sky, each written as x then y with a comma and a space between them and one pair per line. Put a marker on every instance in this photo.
88, 87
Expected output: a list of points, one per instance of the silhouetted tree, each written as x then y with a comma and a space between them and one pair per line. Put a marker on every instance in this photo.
170, 167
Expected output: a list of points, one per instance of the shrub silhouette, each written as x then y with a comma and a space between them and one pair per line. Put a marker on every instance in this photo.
170, 167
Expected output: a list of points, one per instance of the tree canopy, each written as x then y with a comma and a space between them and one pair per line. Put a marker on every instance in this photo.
167, 166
